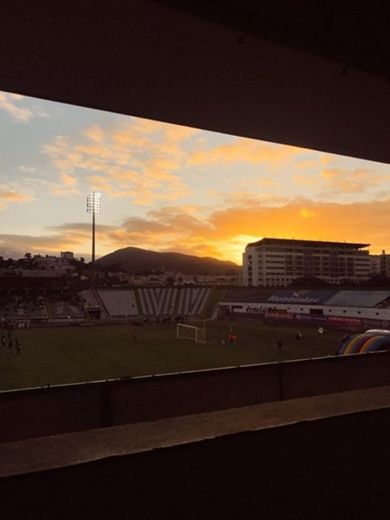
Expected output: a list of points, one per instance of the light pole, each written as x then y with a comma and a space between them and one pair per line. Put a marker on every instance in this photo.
94, 206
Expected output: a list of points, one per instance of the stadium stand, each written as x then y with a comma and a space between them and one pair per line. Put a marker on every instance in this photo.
192, 300
166, 302
64, 310
157, 301
89, 298
358, 298
69, 306
119, 302
22, 307
314, 297
247, 295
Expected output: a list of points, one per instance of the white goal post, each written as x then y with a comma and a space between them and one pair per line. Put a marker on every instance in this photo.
196, 334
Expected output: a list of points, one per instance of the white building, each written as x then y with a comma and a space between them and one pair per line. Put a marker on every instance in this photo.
274, 262
385, 264
67, 255
380, 264
375, 265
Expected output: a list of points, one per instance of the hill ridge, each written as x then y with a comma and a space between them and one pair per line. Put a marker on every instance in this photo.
134, 259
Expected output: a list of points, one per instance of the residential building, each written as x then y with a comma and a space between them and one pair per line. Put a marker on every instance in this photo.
385, 264
375, 265
380, 264
67, 255
274, 262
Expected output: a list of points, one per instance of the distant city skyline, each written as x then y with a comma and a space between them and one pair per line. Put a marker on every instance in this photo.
171, 188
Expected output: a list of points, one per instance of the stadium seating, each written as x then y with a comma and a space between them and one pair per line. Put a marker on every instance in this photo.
19, 307
192, 300
157, 301
65, 310
302, 296
358, 298
165, 301
119, 302
247, 295
90, 299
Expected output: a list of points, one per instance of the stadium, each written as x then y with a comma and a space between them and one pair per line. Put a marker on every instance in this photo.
348, 309
153, 330
106, 410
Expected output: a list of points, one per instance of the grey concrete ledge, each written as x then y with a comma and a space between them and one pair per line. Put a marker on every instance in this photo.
59, 451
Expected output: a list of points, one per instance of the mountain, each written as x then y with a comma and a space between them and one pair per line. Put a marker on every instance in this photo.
136, 260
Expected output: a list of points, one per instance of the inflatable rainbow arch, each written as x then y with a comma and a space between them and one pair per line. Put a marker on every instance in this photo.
369, 341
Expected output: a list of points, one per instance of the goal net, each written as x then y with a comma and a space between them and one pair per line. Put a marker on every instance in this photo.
191, 332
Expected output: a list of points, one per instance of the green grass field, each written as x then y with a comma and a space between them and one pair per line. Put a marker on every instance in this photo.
76, 354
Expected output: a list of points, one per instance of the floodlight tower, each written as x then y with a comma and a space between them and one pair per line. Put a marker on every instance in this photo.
94, 206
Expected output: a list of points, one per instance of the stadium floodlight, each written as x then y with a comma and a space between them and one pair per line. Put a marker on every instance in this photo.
94, 202
94, 206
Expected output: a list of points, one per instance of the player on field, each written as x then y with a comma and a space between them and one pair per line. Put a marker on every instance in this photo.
18, 347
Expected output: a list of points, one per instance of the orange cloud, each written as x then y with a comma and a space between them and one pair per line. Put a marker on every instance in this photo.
222, 233
9, 196
65, 187
266, 183
13, 196
69, 180
245, 151
141, 156
10, 104
95, 133
100, 184
338, 180
307, 163
307, 213
305, 180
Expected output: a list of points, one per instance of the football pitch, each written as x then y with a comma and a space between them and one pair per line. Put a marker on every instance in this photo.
57, 355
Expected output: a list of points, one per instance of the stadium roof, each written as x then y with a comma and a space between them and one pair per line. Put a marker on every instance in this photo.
295, 72
312, 243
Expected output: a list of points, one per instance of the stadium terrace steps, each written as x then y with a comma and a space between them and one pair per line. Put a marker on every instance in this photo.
192, 300
215, 296
62, 309
342, 298
101, 303
247, 295
90, 298
157, 301
16, 309
302, 296
119, 302
358, 298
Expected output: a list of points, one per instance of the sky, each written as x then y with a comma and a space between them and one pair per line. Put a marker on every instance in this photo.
172, 188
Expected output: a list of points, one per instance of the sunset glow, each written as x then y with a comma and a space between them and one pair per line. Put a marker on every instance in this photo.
170, 188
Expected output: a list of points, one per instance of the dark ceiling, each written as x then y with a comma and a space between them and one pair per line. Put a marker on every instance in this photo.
353, 35
312, 74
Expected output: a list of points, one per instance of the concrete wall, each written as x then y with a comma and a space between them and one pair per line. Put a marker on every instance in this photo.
38, 412
329, 468
328, 310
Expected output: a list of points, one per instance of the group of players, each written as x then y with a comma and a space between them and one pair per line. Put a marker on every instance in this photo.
10, 343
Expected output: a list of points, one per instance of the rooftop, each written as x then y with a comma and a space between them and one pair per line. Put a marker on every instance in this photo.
305, 243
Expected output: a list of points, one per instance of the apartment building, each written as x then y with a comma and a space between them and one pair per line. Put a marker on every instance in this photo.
276, 262
380, 264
